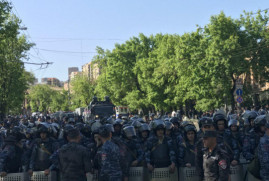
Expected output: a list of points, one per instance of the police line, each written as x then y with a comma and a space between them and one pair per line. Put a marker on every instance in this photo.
238, 173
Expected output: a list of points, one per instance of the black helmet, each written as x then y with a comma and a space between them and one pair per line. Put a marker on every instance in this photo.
219, 115
175, 120
16, 133
110, 127
251, 115
129, 131
262, 112
186, 123
71, 121
43, 128
136, 124
95, 125
118, 122
141, 120
144, 127
232, 122
158, 124
190, 127
260, 121
168, 125
202, 120
104, 131
79, 126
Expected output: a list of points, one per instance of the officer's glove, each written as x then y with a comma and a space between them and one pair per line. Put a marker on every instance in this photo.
47, 171
234, 162
150, 167
134, 163
188, 165
30, 172
172, 168
3, 174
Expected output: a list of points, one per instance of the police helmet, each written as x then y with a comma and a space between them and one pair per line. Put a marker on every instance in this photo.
16, 133
219, 115
79, 126
136, 124
190, 127
118, 122
168, 125
71, 121
233, 122
262, 112
104, 131
175, 120
129, 131
186, 123
95, 125
260, 121
251, 115
43, 128
110, 127
158, 124
144, 127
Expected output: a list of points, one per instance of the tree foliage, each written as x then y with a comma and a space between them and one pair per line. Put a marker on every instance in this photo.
165, 72
45, 99
14, 80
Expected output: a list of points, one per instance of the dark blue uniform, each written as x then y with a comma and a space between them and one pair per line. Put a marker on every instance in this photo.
250, 143
109, 162
11, 157
263, 154
159, 153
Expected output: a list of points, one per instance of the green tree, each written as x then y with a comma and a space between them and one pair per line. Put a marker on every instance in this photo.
13, 47
82, 91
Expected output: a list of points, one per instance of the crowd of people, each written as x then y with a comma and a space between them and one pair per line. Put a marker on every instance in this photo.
112, 146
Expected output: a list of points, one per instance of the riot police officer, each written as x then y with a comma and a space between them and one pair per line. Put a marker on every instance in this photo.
43, 148
224, 137
215, 160
252, 138
160, 152
108, 157
263, 151
72, 159
10, 157
186, 150
118, 123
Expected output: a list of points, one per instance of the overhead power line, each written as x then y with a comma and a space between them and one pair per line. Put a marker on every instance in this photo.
63, 51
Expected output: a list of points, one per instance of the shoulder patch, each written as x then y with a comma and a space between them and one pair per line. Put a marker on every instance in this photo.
223, 164
103, 157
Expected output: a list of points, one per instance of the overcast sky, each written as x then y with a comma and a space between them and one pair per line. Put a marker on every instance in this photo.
66, 32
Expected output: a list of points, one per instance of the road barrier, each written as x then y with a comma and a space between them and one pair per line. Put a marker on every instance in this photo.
188, 174
139, 174
40, 176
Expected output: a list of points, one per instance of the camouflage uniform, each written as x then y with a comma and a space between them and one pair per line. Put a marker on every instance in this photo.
109, 162
263, 154
250, 143
42, 150
10, 157
73, 161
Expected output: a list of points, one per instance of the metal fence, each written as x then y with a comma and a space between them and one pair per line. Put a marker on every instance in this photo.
139, 174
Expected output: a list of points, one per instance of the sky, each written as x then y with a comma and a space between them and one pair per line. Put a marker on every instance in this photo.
67, 32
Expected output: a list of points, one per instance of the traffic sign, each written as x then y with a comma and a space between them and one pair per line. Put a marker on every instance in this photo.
239, 99
239, 92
